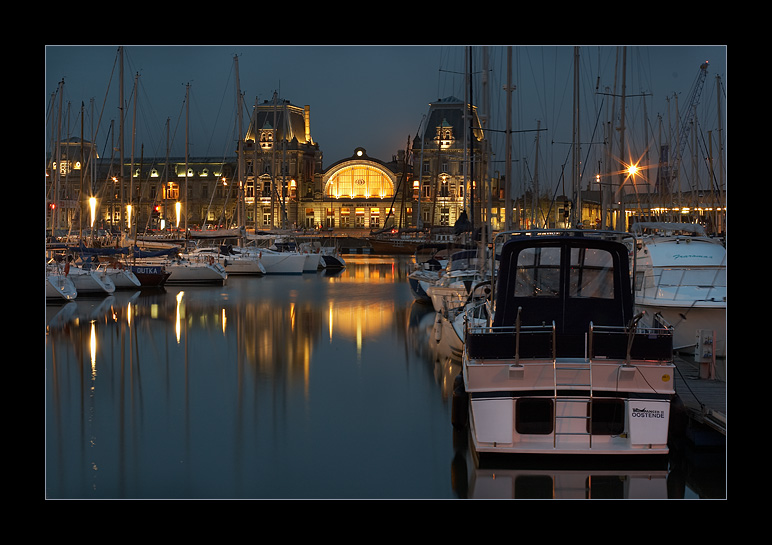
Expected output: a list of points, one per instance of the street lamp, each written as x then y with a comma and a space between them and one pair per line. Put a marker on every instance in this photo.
177, 208
92, 204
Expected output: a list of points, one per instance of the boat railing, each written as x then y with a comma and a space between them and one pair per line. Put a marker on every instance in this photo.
630, 343
486, 341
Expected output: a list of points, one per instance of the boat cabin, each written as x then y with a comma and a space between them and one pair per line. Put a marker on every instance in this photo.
554, 290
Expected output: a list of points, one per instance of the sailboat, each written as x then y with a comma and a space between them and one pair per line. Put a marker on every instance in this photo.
680, 280
59, 288
88, 280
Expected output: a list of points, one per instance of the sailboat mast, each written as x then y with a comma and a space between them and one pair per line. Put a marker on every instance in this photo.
240, 175
621, 219
576, 163
122, 211
133, 138
508, 155
80, 179
187, 133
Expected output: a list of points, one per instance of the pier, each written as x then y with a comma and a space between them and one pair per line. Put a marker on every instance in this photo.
704, 397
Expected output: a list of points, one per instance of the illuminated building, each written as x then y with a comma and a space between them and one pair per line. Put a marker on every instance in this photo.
284, 183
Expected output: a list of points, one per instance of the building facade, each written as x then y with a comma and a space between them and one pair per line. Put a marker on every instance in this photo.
276, 180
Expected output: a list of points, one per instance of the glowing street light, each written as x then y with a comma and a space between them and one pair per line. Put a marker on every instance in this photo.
177, 208
92, 204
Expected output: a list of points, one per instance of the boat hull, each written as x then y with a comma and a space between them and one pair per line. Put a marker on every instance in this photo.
60, 288
515, 411
150, 276
689, 323
244, 266
124, 279
91, 282
196, 273
283, 262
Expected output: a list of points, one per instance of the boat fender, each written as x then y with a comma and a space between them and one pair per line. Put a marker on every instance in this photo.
211, 260
437, 327
460, 408
66, 268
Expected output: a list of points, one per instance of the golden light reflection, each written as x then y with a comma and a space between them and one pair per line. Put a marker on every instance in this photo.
92, 345
224, 319
329, 319
177, 321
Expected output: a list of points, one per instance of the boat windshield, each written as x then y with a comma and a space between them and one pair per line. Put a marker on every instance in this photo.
707, 277
591, 273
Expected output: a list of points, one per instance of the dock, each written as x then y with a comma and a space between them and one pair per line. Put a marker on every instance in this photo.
704, 396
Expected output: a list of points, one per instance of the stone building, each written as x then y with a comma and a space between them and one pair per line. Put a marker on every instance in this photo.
281, 182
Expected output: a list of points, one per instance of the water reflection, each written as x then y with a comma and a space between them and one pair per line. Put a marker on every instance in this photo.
319, 386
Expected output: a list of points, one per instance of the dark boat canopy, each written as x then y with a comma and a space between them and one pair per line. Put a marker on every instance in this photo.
572, 280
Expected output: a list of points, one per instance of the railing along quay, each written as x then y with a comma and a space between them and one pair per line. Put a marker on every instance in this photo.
704, 398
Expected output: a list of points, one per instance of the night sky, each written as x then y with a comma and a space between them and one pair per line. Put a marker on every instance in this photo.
375, 96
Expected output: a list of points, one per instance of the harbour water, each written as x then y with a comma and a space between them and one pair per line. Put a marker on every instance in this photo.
326, 385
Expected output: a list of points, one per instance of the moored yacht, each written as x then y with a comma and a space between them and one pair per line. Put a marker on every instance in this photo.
88, 280
561, 365
186, 269
680, 280
59, 288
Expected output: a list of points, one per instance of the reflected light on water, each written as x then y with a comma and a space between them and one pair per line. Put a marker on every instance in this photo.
92, 345
177, 325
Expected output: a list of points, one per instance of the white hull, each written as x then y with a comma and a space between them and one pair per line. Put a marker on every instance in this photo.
124, 279
561, 365
282, 262
446, 297
91, 282
60, 288
182, 271
196, 273
688, 323
682, 277
312, 263
244, 266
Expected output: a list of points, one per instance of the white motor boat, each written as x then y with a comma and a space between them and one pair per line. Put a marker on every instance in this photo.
680, 280
59, 288
561, 365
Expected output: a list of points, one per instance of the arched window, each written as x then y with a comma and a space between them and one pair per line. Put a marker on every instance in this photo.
360, 181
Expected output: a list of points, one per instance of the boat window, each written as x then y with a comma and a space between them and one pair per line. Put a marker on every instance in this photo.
592, 273
538, 272
639, 276
694, 277
607, 416
533, 415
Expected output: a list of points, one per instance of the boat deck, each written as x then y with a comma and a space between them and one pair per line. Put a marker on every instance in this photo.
704, 398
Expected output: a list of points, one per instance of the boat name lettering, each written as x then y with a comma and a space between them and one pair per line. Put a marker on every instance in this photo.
647, 413
146, 270
692, 256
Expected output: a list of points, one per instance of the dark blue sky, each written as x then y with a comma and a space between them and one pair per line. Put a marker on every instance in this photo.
370, 96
